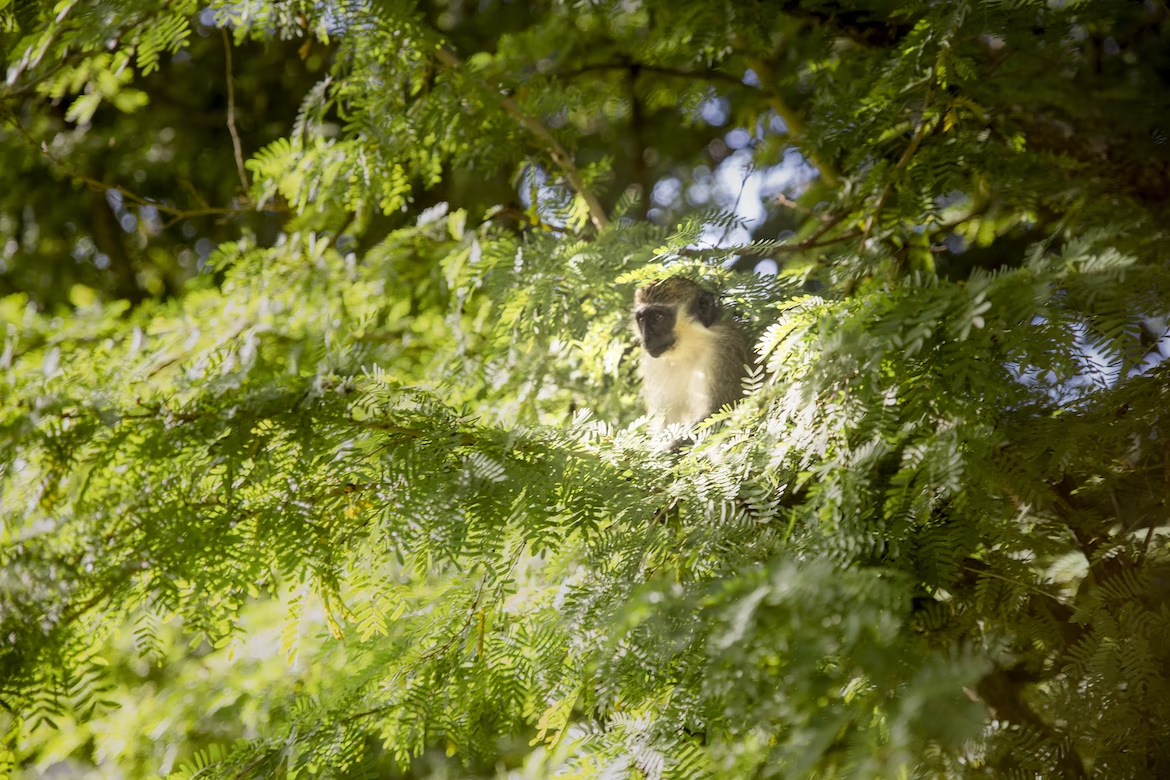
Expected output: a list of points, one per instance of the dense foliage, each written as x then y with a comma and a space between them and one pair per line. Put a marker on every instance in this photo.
320, 446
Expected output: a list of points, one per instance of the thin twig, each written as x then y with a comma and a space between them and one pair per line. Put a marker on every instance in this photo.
809, 243
641, 171
795, 124
128, 195
231, 111
435, 651
1010, 581
995, 65
830, 222
349, 218
559, 154
749, 172
911, 148
784, 200
411, 433
187, 185
921, 133
68, 57
695, 75
178, 215
31, 86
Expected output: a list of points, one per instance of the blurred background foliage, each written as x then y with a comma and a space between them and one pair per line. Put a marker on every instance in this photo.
320, 446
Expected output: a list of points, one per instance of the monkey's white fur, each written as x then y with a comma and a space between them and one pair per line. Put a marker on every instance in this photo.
677, 383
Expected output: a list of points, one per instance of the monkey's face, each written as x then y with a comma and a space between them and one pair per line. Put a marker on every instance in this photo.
656, 327
659, 306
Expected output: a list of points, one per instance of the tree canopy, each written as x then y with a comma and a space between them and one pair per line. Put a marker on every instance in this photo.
321, 450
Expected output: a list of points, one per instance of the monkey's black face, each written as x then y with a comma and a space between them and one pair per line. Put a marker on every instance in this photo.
656, 326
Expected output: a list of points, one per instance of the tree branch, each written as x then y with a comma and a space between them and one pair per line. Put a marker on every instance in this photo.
231, 110
784, 200
559, 154
911, 148
128, 195
1002, 692
138, 200
694, 75
812, 242
641, 170
796, 126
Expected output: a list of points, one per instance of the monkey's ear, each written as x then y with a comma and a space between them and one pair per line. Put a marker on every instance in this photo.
706, 308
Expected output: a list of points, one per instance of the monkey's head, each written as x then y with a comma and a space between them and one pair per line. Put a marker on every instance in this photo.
658, 308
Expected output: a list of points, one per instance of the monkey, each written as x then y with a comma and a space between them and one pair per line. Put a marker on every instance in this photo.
694, 357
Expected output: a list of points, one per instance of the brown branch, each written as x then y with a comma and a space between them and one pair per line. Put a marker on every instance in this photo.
694, 75
202, 201
103, 594
178, 215
231, 110
641, 171
811, 242
68, 57
1002, 692
127, 195
921, 133
559, 154
410, 433
1017, 583
30, 87
349, 218
829, 223
436, 649
138, 200
796, 127
784, 200
911, 148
